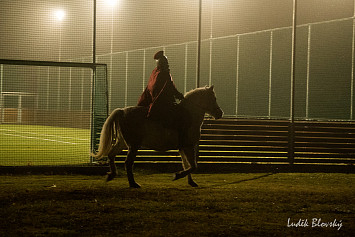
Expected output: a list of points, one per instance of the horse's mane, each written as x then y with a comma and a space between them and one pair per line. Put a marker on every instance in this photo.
194, 92
192, 95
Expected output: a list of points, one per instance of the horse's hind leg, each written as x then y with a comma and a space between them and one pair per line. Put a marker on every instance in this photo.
113, 170
116, 149
132, 153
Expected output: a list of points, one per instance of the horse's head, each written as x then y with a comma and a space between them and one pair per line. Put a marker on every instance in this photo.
205, 100
210, 104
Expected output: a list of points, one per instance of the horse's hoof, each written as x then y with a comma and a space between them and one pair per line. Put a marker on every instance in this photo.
177, 176
110, 177
134, 185
193, 184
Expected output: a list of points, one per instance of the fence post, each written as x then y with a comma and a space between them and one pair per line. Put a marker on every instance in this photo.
291, 142
291, 128
2, 107
352, 70
199, 45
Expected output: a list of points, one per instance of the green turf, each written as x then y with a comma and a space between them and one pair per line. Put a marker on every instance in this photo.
223, 205
43, 145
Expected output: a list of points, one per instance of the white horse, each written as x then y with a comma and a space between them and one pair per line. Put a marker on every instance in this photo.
129, 128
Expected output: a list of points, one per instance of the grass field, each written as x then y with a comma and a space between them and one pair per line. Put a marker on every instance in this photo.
223, 205
43, 145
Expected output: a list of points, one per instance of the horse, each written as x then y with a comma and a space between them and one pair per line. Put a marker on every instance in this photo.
129, 128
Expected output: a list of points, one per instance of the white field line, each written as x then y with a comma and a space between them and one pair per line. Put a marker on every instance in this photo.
38, 138
45, 135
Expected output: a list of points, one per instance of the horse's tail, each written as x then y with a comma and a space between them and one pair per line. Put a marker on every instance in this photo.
109, 134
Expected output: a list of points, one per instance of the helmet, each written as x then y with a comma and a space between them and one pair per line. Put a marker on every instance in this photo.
162, 61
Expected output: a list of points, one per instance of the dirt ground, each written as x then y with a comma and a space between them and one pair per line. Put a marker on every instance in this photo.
287, 204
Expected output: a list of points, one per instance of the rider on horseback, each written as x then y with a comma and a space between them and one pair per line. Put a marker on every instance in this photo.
160, 97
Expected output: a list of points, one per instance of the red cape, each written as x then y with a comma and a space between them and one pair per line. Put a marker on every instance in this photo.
160, 92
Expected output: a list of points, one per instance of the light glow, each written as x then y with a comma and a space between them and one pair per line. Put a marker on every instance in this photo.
111, 3
60, 14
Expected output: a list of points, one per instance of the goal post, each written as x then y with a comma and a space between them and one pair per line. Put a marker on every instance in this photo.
13, 105
99, 110
67, 95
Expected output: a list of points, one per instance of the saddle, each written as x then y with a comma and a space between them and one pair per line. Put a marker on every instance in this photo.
135, 118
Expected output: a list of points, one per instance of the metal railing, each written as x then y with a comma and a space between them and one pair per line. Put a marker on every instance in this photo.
129, 70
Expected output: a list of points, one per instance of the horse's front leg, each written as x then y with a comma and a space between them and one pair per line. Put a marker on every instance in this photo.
132, 153
185, 166
191, 181
189, 163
